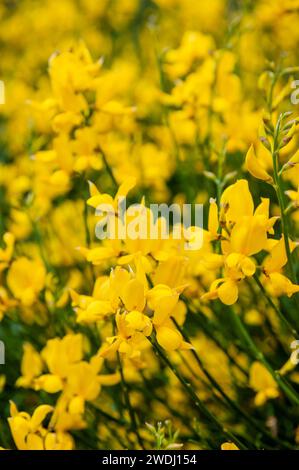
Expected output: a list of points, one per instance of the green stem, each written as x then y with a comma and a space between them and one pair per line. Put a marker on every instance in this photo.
163, 87
128, 402
125, 388
152, 395
209, 328
283, 319
197, 402
221, 159
227, 399
258, 355
39, 240
119, 421
85, 219
280, 197
108, 168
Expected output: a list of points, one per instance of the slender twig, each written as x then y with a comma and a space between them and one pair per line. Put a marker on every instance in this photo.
283, 319
128, 402
108, 168
227, 399
208, 329
258, 355
202, 409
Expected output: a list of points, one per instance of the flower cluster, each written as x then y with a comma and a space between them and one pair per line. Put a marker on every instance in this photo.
138, 342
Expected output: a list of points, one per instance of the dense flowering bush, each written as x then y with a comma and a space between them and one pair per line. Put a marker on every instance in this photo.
141, 342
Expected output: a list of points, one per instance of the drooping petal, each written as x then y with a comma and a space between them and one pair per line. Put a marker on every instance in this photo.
237, 201
228, 292
255, 167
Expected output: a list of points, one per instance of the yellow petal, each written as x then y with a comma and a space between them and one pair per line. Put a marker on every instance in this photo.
228, 292
213, 222
236, 200
277, 258
260, 378
229, 446
34, 442
93, 190
50, 383
248, 266
169, 338
76, 405
294, 160
260, 399
39, 415
125, 187
255, 167
133, 295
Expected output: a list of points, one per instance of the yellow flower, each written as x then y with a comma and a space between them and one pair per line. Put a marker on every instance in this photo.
162, 300
7, 252
294, 195
276, 282
96, 198
256, 167
224, 289
90, 309
5, 302
263, 383
85, 149
71, 73
31, 366
2, 382
244, 234
59, 355
130, 340
229, 446
194, 46
213, 222
169, 338
29, 433
26, 278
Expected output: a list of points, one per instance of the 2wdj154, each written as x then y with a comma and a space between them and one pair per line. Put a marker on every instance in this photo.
170, 459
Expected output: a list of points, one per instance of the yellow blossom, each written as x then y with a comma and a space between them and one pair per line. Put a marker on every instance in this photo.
263, 383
